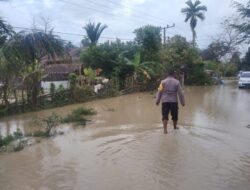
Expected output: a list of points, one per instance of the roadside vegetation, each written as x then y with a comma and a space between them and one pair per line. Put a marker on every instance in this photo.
45, 127
133, 65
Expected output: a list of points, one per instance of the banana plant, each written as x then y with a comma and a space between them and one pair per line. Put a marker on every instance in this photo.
143, 71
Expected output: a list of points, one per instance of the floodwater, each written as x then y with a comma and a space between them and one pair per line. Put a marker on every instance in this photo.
124, 146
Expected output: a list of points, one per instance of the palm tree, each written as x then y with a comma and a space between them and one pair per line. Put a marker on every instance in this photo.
94, 31
28, 49
5, 31
193, 12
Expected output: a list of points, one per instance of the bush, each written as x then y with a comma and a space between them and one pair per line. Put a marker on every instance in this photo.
60, 88
47, 123
6, 140
18, 134
39, 134
77, 116
83, 93
52, 88
197, 76
109, 90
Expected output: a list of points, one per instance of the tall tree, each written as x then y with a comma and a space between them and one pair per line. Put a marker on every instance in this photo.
6, 31
94, 31
28, 49
149, 38
193, 12
243, 26
245, 65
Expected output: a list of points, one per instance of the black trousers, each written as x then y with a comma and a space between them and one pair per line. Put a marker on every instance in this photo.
171, 107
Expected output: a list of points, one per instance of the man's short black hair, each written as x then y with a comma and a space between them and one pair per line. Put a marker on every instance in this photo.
171, 72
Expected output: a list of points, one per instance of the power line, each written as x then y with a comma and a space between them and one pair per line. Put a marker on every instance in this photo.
72, 34
104, 12
164, 32
145, 13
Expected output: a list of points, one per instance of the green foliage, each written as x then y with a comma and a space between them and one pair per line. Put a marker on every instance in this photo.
83, 93
211, 65
60, 88
4, 141
197, 76
39, 134
72, 85
243, 27
110, 90
178, 43
149, 39
90, 74
52, 90
25, 50
193, 12
18, 134
31, 47
215, 51
77, 116
107, 57
50, 122
94, 31
245, 65
178, 54
6, 31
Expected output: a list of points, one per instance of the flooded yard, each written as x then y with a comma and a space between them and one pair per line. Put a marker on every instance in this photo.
124, 146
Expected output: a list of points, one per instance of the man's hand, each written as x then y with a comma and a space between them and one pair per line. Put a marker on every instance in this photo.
157, 103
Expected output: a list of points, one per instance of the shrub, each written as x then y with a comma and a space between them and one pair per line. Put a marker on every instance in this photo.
77, 116
60, 88
83, 93
52, 88
47, 123
6, 140
18, 134
197, 76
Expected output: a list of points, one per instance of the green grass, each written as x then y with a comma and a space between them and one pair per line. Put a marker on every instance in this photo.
78, 116
6, 140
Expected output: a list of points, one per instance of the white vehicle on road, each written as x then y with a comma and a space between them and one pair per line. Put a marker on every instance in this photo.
244, 79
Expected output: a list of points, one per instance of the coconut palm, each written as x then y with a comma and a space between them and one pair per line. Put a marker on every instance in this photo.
5, 31
193, 12
28, 49
94, 31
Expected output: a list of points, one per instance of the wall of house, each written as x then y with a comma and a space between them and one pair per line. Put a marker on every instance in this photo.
46, 84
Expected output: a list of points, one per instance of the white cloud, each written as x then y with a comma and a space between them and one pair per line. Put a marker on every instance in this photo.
122, 16
129, 6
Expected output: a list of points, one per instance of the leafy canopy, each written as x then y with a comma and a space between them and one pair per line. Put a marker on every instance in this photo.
94, 31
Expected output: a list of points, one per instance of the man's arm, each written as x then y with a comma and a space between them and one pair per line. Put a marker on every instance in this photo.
159, 93
181, 95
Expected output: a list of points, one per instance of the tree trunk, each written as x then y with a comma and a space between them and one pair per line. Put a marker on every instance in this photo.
34, 95
23, 101
15, 96
5, 94
193, 42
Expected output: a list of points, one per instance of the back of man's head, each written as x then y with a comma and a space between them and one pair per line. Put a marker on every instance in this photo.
171, 72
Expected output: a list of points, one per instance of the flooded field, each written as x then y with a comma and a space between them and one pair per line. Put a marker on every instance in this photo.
124, 146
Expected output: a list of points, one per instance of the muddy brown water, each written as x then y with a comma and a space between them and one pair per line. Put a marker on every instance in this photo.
124, 147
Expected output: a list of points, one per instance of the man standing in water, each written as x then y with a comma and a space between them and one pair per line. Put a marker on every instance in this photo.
167, 94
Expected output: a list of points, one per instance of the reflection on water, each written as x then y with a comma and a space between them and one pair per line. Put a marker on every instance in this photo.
125, 148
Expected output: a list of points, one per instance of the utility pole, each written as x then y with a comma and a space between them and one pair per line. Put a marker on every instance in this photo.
164, 32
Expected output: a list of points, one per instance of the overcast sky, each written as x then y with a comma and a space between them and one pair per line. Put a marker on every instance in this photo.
121, 16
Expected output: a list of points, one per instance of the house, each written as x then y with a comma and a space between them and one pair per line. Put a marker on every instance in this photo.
57, 69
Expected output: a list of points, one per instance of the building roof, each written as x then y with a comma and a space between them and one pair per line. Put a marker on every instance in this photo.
72, 56
57, 72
